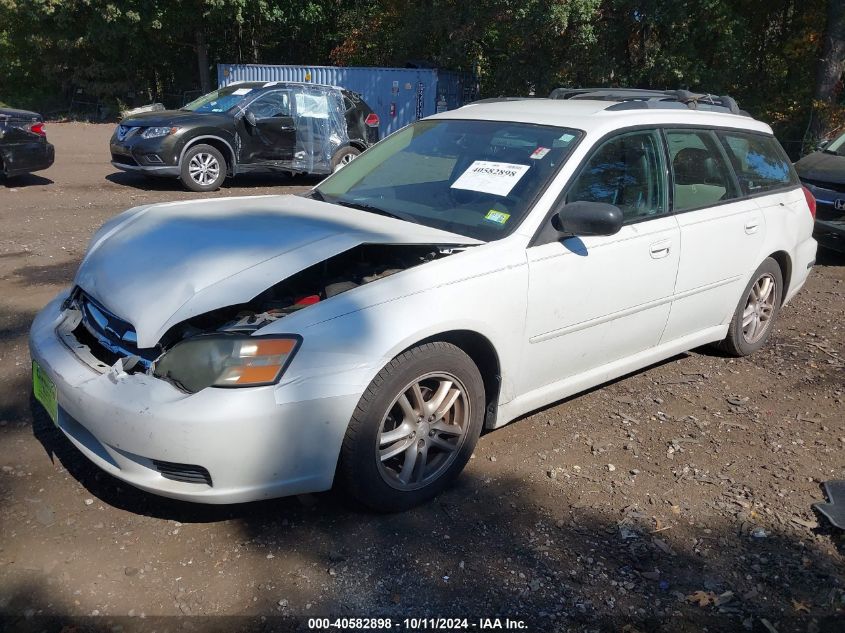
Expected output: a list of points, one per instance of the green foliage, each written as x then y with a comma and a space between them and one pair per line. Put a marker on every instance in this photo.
762, 52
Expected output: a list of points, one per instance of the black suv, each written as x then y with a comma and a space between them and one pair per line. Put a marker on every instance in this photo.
23, 143
248, 127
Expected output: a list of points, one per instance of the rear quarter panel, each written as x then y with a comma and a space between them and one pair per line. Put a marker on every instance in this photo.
789, 229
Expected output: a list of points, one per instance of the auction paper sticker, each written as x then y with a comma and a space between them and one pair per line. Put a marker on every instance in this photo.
242, 91
489, 177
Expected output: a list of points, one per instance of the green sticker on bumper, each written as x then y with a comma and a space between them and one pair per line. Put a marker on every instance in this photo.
45, 392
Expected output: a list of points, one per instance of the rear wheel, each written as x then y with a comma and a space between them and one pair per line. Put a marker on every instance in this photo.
343, 157
756, 312
414, 429
203, 168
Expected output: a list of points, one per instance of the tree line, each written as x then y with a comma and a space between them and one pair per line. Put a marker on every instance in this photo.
781, 59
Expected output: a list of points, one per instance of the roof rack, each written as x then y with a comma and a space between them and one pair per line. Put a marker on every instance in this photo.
638, 99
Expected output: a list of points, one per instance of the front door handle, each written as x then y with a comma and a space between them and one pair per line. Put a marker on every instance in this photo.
660, 249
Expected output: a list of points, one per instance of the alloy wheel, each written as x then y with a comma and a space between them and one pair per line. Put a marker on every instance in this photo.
423, 430
204, 168
759, 307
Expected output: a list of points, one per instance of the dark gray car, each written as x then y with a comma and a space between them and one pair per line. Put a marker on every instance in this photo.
247, 127
23, 143
823, 173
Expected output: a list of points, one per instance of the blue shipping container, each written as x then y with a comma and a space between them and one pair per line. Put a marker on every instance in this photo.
398, 96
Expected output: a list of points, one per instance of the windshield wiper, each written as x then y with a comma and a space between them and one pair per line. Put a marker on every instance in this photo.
363, 206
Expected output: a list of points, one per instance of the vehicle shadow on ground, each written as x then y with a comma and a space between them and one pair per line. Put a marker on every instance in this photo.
243, 181
621, 379
829, 257
58, 274
14, 324
24, 180
499, 546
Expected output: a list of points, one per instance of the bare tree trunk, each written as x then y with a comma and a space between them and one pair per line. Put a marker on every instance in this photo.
831, 64
202, 61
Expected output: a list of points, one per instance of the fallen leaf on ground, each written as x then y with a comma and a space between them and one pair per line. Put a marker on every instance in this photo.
800, 607
702, 598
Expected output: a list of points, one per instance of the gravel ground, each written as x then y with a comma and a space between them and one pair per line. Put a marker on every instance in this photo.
675, 499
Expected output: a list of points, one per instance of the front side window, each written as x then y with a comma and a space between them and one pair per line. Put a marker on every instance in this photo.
474, 178
836, 146
626, 171
271, 105
759, 161
701, 176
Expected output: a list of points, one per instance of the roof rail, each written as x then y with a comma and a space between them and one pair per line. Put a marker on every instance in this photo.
499, 100
637, 99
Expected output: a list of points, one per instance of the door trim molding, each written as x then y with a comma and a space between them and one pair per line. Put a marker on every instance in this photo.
583, 325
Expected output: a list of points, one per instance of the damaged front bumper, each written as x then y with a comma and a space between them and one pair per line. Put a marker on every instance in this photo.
214, 446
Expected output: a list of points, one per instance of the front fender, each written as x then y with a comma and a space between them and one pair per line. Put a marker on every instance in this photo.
205, 134
342, 355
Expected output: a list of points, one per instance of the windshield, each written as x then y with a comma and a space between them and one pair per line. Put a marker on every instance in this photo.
220, 100
474, 178
837, 146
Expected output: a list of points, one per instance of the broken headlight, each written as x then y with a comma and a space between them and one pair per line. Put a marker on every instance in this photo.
226, 361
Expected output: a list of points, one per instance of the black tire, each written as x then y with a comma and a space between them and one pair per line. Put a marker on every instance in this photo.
212, 178
343, 156
376, 483
738, 342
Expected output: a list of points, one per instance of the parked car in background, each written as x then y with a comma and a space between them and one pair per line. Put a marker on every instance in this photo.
23, 143
247, 127
470, 268
823, 173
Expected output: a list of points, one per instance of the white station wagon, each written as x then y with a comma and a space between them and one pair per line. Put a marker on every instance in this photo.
466, 270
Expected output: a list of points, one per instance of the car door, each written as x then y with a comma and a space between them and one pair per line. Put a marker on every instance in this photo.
272, 139
722, 233
595, 300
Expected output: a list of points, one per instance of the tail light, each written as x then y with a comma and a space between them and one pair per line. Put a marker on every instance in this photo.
811, 201
38, 128
372, 120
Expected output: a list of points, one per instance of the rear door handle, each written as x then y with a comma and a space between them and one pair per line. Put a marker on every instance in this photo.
660, 249
752, 226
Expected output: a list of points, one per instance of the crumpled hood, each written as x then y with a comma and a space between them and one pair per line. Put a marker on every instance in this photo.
822, 167
159, 265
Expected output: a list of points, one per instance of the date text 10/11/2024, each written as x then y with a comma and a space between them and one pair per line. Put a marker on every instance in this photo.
416, 624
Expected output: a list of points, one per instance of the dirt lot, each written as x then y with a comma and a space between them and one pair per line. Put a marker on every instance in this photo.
676, 499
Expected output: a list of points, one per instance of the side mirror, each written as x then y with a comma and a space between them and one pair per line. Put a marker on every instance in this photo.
588, 218
824, 143
249, 117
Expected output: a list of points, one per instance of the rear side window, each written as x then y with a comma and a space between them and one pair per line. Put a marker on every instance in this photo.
626, 171
702, 178
760, 163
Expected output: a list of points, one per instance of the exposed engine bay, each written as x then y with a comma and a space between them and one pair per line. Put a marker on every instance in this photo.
107, 338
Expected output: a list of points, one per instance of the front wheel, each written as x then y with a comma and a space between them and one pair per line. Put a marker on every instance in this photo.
414, 428
203, 168
756, 312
